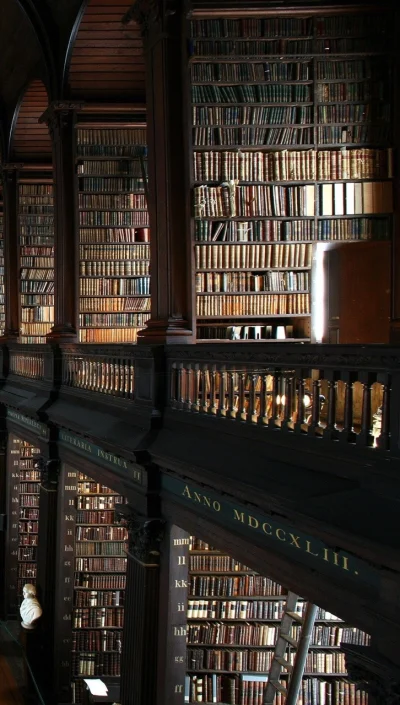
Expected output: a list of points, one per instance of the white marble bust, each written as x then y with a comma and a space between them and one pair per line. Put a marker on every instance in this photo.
30, 609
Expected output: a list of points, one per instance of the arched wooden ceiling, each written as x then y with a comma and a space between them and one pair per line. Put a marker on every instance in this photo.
107, 60
30, 140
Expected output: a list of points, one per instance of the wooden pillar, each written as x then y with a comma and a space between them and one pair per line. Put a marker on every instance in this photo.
171, 319
140, 635
10, 195
3, 517
47, 563
61, 118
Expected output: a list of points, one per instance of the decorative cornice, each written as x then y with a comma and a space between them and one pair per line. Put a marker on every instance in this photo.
150, 12
144, 535
59, 109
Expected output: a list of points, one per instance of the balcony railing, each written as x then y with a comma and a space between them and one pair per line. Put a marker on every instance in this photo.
340, 393
27, 361
98, 369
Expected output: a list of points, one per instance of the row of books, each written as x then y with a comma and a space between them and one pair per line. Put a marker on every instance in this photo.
248, 201
247, 585
36, 274
91, 487
357, 112
114, 252
116, 185
106, 565
37, 314
135, 167
258, 256
353, 25
28, 527
98, 502
100, 548
113, 235
241, 282
111, 136
260, 93
29, 500
218, 563
103, 201
115, 287
96, 598
98, 617
98, 664
97, 640
250, 72
253, 305
35, 209
28, 540
341, 92
254, 230
100, 582
292, 165
116, 304
256, 49
108, 335
265, 635
137, 218
116, 268
101, 150
251, 136
37, 287
28, 486
27, 553
352, 198
113, 320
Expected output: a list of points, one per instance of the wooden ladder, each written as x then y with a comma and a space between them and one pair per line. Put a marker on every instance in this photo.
284, 646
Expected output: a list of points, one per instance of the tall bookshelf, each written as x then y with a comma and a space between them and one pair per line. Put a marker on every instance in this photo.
99, 585
233, 618
291, 151
2, 284
114, 249
23, 498
36, 252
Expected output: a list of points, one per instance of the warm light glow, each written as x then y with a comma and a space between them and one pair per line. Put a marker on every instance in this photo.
319, 300
307, 400
280, 400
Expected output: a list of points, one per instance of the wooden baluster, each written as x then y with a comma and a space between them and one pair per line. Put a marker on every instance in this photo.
212, 409
241, 414
231, 411
132, 379
274, 420
122, 377
383, 441
178, 370
188, 385
330, 431
115, 385
251, 411
222, 406
263, 414
316, 407
196, 388
288, 408
365, 437
299, 425
204, 393
347, 435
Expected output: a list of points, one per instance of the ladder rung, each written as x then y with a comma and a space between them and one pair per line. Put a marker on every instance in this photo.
278, 686
289, 640
296, 616
285, 664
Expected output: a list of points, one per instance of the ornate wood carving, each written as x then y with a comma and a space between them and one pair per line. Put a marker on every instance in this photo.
50, 470
145, 535
150, 12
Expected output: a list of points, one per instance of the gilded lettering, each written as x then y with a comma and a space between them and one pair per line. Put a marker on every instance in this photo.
345, 563
326, 556
269, 533
239, 517
253, 522
278, 533
308, 549
216, 506
207, 501
197, 497
295, 540
186, 492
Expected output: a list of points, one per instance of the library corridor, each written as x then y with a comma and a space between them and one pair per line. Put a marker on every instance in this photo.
199, 352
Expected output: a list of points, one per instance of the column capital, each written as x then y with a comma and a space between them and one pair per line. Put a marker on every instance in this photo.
144, 535
49, 470
60, 107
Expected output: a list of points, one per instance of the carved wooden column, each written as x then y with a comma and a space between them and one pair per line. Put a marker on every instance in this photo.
140, 635
47, 561
10, 195
60, 118
161, 23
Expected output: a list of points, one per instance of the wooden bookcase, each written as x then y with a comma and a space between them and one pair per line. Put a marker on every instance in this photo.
233, 619
2, 284
114, 249
291, 150
92, 575
36, 258
23, 499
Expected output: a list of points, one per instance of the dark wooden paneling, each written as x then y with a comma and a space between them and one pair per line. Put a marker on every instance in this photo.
31, 139
107, 58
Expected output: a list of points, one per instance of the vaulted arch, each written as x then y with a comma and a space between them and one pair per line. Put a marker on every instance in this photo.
30, 140
105, 60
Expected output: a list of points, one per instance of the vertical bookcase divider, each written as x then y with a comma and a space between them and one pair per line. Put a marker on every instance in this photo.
2, 287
